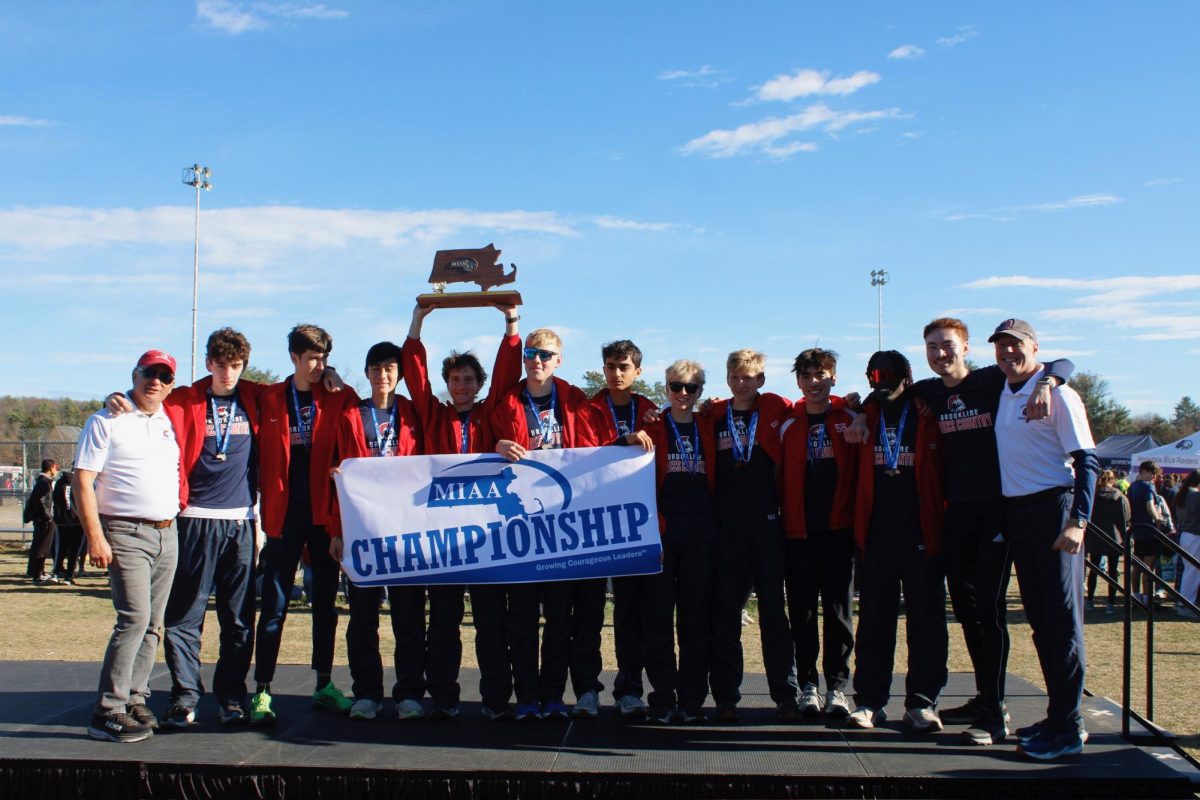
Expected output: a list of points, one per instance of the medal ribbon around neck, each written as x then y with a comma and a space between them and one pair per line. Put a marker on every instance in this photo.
541, 430
305, 428
464, 439
733, 437
383, 444
891, 455
617, 422
692, 458
223, 437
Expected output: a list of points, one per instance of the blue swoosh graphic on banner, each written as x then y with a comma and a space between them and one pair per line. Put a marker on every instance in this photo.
554, 474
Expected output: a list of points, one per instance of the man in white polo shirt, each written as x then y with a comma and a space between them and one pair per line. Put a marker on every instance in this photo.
1048, 471
126, 488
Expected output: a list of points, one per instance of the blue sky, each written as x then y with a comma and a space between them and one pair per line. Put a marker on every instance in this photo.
698, 177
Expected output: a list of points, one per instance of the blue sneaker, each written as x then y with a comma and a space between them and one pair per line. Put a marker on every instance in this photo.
1030, 732
527, 712
1048, 746
554, 710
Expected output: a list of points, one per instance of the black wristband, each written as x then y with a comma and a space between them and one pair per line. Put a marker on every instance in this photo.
512, 319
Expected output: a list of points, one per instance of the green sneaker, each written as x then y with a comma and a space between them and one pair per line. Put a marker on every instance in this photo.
260, 710
330, 698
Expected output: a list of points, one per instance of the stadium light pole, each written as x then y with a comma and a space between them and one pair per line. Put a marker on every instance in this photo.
197, 177
879, 279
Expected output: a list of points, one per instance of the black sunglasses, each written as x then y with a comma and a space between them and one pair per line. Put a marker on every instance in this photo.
165, 376
680, 386
536, 352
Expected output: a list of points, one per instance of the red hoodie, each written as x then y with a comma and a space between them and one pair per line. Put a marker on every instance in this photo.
927, 461
187, 408
793, 469
606, 428
274, 450
352, 443
578, 416
439, 421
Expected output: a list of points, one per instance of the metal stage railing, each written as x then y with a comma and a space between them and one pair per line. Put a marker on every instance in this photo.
1135, 568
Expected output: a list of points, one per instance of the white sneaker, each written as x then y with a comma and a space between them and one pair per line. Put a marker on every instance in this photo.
410, 709
810, 700
588, 705
866, 717
631, 706
366, 708
836, 704
747, 619
923, 720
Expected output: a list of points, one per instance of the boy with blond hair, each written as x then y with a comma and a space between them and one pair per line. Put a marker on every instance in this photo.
543, 412
750, 546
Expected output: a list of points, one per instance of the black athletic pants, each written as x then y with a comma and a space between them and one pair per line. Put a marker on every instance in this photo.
888, 566
750, 550
574, 613
631, 594
1051, 584
822, 566
506, 641
70, 547
40, 547
978, 565
677, 600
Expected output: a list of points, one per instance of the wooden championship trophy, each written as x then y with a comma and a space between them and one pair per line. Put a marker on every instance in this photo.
463, 266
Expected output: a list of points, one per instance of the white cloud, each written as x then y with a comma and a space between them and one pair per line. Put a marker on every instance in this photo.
806, 82
1162, 181
766, 135
1009, 213
619, 224
686, 75
16, 121
964, 34
257, 235
234, 18
906, 51
1122, 302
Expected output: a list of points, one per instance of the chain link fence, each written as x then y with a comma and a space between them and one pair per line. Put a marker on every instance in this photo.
20, 463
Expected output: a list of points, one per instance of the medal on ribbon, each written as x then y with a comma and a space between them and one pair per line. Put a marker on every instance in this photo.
891, 450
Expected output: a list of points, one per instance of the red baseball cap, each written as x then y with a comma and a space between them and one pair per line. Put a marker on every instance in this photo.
152, 358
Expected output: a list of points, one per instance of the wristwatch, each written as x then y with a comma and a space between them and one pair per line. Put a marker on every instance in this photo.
1080, 523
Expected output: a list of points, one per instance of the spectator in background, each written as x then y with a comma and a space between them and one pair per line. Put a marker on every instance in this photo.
1110, 515
1123, 482
70, 532
39, 509
1187, 512
1145, 519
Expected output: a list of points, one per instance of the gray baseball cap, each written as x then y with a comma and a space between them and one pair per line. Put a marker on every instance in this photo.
1017, 328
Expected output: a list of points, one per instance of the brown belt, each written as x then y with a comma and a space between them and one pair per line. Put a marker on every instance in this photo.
157, 524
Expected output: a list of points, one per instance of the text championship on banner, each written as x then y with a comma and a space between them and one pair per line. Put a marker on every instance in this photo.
555, 515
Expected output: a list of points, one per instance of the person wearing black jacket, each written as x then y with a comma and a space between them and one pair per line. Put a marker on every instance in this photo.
70, 532
1110, 514
39, 509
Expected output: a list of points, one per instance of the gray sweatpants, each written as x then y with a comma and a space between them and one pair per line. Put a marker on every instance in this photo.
141, 573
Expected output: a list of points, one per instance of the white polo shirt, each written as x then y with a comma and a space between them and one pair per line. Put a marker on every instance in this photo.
1035, 456
136, 459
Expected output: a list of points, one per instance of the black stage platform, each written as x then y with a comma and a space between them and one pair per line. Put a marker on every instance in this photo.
45, 753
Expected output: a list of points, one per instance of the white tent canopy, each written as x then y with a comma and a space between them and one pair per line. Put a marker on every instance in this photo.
1182, 455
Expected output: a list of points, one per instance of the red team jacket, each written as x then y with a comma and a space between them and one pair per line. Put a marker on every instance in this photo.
927, 461
274, 450
187, 408
660, 433
793, 469
606, 429
773, 410
352, 443
439, 421
578, 416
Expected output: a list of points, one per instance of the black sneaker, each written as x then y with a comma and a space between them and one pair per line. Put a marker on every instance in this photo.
965, 714
178, 716
660, 714
232, 713
442, 712
117, 726
143, 715
727, 713
985, 731
788, 711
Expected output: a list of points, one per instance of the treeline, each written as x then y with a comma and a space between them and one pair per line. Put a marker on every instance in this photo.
35, 417
1108, 417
